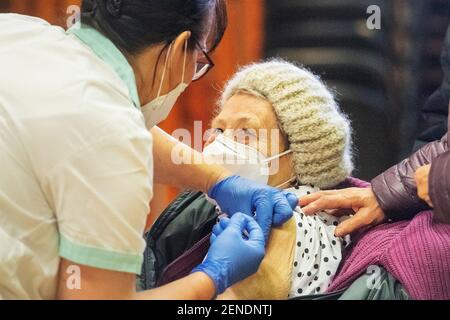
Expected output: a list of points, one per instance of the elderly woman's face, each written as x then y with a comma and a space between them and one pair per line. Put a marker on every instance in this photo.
247, 118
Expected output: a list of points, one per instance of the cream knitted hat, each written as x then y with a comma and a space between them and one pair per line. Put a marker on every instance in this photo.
318, 132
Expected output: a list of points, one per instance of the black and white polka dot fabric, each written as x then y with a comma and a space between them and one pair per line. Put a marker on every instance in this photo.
317, 251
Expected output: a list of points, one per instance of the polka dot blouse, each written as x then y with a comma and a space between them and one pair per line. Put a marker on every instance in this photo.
317, 251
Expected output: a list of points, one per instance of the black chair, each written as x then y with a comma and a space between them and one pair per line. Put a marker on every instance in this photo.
327, 33
374, 72
369, 114
358, 66
282, 11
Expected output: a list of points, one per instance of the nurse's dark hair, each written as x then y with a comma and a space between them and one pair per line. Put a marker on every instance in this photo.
133, 25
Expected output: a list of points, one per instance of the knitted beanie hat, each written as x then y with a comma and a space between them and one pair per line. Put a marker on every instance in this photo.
319, 133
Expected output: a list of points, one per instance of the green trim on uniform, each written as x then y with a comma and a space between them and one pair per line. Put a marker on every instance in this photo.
100, 258
108, 52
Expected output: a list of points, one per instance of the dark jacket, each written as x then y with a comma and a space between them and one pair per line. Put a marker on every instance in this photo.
434, 114
396, 189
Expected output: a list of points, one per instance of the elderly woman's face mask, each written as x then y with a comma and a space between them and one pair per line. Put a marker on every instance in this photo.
240, 158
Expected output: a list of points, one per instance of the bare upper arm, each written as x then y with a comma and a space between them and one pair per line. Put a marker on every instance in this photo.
83, 282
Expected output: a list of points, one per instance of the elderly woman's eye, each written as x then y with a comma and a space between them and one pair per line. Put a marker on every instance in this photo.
245, 136
249, 132
218, 131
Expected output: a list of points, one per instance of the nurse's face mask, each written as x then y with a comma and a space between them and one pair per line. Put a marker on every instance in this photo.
241, 159
158, 109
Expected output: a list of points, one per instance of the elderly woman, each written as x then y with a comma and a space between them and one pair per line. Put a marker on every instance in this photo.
279, 124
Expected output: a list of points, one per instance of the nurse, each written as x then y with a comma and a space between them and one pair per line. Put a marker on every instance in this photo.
78, 116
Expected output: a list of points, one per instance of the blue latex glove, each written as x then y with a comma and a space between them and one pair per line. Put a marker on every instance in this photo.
231, 258
219, 227
237, 194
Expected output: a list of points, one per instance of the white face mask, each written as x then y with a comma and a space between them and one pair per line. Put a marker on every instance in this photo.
158, 109
241, 159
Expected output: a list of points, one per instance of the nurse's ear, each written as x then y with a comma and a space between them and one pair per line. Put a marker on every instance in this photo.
183, 48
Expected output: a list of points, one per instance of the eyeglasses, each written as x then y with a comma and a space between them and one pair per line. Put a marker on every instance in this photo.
202, 68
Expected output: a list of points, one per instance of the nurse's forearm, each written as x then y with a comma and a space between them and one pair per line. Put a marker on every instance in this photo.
100, 284
178, 165
197, 286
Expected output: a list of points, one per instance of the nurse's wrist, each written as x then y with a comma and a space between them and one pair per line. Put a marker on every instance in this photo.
216, 176
205, 286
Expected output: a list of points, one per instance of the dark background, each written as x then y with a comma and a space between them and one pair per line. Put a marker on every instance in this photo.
381, 77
